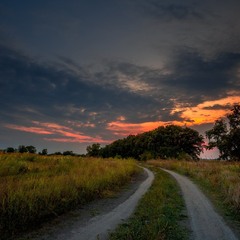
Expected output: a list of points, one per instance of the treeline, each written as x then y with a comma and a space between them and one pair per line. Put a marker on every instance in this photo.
33, 150
24, 149
164, 142
178, 142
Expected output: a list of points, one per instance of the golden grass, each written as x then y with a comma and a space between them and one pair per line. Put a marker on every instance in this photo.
221, 178
34, 188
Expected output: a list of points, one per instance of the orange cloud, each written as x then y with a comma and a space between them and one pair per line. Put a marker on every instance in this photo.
203, 113
125, 129
200, 114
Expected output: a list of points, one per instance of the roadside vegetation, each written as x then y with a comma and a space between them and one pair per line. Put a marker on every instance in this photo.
219, 179
35, 188
158, 214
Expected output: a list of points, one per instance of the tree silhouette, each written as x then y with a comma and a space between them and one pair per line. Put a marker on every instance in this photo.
164, 142
10, 150
226, 137
22, 149
43, 152
93, 150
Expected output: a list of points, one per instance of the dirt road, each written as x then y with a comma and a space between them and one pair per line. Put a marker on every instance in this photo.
83, 227
205, 222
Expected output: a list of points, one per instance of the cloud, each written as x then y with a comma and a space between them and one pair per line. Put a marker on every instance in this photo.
198, 79
74, 104
170, 10
124, 76
62, 133
35, 130
36, 90
209, 111
219, 107
124, 128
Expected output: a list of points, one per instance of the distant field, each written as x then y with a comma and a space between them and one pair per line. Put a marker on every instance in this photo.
34, 188
221, 180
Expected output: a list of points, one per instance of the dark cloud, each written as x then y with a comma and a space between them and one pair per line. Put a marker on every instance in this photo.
188, 79
87, 100
218, 107
205, 79
87, 64
33, 90
170, 10
26, 82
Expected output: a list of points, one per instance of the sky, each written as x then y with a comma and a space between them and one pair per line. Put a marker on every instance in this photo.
78, 72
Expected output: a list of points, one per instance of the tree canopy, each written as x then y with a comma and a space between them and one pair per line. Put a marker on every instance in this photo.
164, 142
93, 150
225, 135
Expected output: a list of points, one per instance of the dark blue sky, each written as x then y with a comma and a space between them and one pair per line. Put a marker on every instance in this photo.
77, 72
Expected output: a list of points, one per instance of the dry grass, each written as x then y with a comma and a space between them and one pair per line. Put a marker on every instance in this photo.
34, 188
220, 179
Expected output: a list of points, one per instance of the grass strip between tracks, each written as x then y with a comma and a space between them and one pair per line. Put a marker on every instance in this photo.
158, 214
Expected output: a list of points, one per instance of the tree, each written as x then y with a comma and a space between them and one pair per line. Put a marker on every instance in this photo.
68, 153
164, 142
10, 150
218, 138
57, 153
31, 149
44, 152
22, 149
226, 139
94, 150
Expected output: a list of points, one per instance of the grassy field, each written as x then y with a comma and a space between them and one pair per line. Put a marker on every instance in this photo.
220, 180
35, 188
158, 214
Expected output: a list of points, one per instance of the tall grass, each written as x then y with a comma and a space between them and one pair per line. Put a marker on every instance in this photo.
220, 179
34, 188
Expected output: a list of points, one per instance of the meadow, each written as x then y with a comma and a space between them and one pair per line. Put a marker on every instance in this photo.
219, 179
36, 188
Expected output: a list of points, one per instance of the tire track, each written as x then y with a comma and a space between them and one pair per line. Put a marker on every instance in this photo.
206, 224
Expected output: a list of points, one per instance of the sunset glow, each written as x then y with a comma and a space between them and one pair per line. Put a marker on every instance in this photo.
73, 73
52, 128
125, 129
209, 111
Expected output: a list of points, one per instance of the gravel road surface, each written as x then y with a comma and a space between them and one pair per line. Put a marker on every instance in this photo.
205, 223
108, 213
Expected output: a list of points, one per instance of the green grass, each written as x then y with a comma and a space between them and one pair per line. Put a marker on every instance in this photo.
220, 180
158, 214
36, 188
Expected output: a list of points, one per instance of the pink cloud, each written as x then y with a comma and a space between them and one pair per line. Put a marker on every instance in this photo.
77, 140
35, 130
64, 134
53, 126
